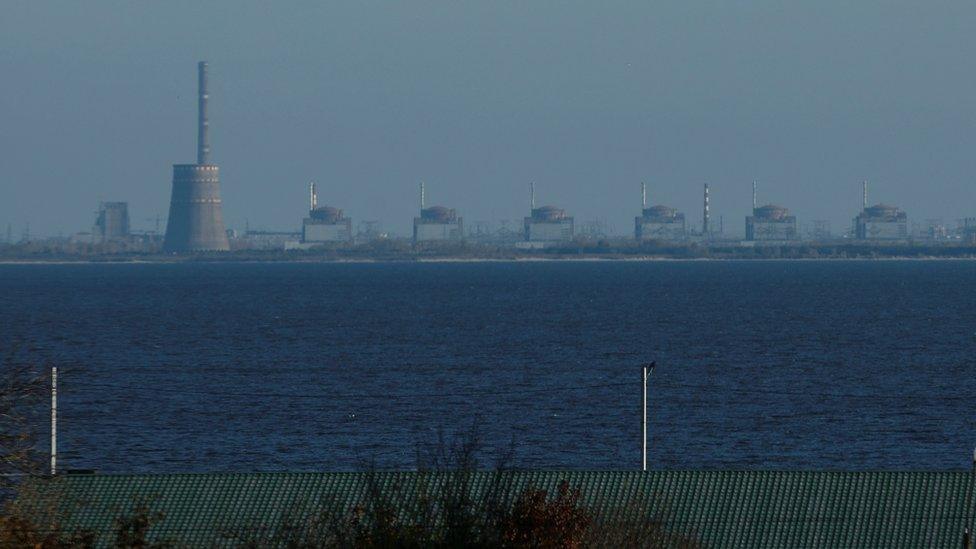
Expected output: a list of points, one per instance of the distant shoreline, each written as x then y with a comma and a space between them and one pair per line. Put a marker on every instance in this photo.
183, 260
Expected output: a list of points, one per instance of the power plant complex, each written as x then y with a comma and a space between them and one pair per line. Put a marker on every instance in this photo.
195, 221
550, 226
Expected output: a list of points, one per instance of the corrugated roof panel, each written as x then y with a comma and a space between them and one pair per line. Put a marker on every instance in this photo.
723, 508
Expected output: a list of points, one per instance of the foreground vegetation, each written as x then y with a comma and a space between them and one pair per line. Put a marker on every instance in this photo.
440, 507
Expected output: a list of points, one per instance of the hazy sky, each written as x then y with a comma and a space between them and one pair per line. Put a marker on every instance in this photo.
477, 99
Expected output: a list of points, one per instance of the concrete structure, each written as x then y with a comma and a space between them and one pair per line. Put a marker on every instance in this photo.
112, 222
196, 221
658, 222
548, 223
967, 230
769, 222
880, 222
436, 223
324, 223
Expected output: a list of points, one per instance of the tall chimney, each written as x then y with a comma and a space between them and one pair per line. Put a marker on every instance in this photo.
643, 196
864, 195
196, 221
203, 125
532, 195
313, 197
705, 229
754, 203
423, 199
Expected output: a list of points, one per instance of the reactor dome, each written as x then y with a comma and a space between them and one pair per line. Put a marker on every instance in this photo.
548, 213
771, 211
438, 214
326, 213
882, 211
660, 212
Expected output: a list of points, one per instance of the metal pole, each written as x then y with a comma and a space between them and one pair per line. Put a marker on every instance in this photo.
648, 368
644, 425
54, 420
967, 538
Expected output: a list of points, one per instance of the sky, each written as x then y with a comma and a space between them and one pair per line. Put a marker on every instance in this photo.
478, 99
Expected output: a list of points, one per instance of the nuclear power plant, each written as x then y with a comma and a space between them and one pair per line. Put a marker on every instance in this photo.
769, 222
436, 223
324, 223
548, 223
658, 222
196, 223
879, 222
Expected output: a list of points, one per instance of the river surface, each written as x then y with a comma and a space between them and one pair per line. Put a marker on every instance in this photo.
259, 367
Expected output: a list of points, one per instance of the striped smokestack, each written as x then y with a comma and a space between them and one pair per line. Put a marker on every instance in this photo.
203, 125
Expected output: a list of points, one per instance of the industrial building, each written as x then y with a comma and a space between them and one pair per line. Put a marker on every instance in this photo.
196, 221
324, 223
658, 222
112, 222
436, 223
548, 223
769, 222
880, 222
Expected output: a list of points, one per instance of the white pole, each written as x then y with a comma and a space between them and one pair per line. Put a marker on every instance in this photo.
648, 368
644, 425
54, 420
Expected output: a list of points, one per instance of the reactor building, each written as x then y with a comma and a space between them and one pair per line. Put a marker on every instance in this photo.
548, 223
769, 222
879, 222
196, 222
658, 222
112, 222
324, 223
436, 223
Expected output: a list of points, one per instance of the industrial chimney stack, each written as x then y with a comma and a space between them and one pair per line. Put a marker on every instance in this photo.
705, 228
196, 222
203, 124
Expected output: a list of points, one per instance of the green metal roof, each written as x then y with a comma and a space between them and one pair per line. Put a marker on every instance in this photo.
748, 509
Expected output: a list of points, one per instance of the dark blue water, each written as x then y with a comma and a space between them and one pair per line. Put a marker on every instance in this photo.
222, 367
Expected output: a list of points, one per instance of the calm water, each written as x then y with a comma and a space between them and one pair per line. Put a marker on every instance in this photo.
836, 365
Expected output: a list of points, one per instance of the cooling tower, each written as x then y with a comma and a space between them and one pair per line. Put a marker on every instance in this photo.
196, 223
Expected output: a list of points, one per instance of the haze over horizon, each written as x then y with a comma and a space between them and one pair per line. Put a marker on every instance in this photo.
478, 99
